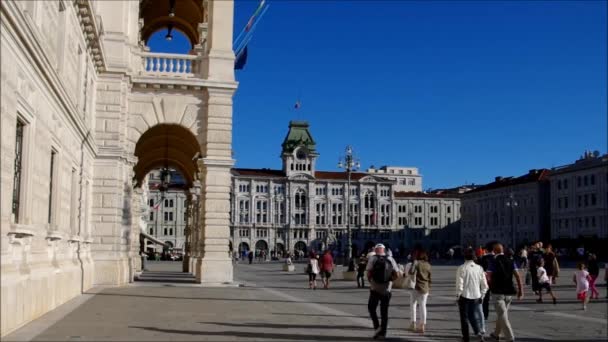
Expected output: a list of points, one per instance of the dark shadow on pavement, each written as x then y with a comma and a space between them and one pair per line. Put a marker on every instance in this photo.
265, 336
288, 326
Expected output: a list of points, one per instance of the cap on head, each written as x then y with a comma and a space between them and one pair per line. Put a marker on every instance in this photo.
379, 249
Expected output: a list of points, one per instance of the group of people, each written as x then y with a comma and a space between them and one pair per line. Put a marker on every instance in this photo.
319, 265
487, 275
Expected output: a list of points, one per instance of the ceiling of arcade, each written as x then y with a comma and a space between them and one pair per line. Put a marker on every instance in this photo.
170, 145
185, 16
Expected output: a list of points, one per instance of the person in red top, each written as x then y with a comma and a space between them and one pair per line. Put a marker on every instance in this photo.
327, 266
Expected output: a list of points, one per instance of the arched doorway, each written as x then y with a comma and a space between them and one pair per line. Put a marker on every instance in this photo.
280, 249
261, 249
300, 246
243, 247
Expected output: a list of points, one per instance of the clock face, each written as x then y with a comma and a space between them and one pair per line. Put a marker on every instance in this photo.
301, 155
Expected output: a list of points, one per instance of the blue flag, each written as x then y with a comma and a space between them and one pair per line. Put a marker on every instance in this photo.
241, 59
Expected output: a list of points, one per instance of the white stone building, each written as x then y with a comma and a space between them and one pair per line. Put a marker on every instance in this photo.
87, 110
166, 212
511, 210
579, 199
299, 207
407, 179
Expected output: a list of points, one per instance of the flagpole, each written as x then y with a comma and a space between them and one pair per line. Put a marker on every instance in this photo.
250, 33
262, 3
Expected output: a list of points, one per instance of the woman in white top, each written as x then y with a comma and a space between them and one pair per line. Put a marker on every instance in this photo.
313, 270
581, 279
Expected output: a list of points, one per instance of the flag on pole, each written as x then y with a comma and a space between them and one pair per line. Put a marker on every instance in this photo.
157, 205
297, 105
241, 59
255, 14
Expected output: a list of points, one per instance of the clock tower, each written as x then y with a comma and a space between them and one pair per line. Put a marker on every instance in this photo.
299, 152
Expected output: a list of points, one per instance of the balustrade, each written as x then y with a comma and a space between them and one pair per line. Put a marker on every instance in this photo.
170, 64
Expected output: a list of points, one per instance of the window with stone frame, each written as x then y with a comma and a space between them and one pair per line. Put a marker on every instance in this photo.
300, 207
17, 171
244, 211
320, 213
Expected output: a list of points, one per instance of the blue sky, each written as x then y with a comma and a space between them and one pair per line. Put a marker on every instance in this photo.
465, 91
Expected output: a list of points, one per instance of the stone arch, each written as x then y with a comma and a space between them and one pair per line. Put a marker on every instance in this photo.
166, 144
148, 109
188, 14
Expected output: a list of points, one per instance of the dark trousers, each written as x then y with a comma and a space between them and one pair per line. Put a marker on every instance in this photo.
360, 279
468, 314
372, 305
486, 306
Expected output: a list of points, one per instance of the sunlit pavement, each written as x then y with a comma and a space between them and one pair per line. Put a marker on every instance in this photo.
275, 305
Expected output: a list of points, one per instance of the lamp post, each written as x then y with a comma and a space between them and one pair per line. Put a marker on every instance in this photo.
349, 163
512, 203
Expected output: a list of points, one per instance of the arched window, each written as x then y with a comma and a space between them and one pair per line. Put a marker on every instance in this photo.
300, 199
370, 200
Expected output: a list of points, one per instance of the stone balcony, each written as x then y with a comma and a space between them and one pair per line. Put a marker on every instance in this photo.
171, 71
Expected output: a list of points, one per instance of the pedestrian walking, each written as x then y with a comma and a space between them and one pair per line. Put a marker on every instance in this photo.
486, 262
250, 257
312, 269
381, 271
535, 255
594, 272
544, 282
581, 279
523, 257
451, 254
551, 264
471, 286
422, 271
502, 271
361, 266
327, 267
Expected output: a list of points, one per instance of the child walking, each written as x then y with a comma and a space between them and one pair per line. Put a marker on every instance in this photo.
581, 279
544, 282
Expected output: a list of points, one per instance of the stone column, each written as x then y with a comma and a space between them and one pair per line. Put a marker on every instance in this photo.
215, 138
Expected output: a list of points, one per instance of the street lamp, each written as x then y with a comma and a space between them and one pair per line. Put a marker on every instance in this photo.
512, 203
349, 163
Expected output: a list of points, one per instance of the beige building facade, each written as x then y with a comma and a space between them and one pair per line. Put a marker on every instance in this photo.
511, 210
579, 198
87, 111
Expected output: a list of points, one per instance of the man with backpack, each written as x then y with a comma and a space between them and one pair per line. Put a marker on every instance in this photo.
502, 271
381, 271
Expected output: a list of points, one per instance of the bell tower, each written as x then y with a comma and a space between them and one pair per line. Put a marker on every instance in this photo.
299, 152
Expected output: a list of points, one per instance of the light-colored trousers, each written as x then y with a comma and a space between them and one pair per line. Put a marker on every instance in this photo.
417, 297
501, 305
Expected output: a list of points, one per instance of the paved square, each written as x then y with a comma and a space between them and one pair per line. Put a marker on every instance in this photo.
275, 305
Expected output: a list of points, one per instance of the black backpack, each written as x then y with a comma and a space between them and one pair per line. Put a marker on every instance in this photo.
380, 270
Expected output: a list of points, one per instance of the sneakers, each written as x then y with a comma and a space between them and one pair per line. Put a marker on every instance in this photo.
494, 336
412, 327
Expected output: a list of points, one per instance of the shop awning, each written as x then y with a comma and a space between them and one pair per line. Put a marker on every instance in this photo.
153, 239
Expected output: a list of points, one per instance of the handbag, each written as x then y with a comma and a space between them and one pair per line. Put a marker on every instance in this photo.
309, 268
410, 279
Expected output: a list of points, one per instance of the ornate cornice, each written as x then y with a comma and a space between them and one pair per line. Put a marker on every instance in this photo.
91, 29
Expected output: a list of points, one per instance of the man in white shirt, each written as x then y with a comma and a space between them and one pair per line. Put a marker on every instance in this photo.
471, 287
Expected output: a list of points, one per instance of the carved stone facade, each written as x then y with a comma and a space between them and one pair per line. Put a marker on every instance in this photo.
85, 109
301, 208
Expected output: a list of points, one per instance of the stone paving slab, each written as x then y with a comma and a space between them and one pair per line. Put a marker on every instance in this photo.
278, 306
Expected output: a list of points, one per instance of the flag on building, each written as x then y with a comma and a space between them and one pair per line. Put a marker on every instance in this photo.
297, 105
241, 59
157, 205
